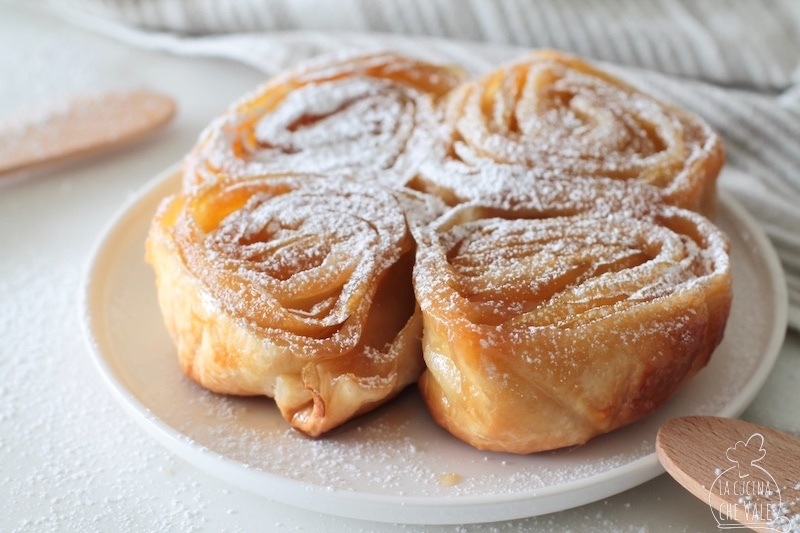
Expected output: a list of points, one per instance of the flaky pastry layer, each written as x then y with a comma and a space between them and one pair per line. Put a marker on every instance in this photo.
556, 116
370, 116
295, 288
545, 326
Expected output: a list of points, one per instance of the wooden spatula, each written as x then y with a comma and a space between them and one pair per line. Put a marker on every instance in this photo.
80, 126
748, 474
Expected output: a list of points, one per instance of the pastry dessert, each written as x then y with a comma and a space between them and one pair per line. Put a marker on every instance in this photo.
555, 115
369, 116
297, 288
549, 320
572, 289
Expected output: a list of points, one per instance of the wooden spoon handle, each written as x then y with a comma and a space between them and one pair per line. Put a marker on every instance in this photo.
80, 126
747, 473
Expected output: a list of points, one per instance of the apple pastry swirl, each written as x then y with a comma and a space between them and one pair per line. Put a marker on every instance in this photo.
547, 322
370, 116
294, 288
556, 115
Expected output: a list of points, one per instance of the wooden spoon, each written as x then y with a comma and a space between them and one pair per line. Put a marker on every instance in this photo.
748, 474
81, 126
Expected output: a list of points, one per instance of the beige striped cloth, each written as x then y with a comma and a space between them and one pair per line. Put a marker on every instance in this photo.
735, 62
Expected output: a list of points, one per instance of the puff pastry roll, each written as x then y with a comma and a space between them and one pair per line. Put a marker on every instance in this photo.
558, 116
294, 288
371, 116
548, 322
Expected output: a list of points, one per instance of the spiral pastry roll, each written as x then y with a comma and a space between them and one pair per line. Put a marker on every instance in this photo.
546, 324
297, 289
558, 116
369, 115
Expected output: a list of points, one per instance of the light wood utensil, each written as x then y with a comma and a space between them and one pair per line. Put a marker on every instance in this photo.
84, 125
748, 474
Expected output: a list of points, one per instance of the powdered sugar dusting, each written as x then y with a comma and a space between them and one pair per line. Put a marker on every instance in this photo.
370, 116
398, 450
491, 263
572, 312
389, 452
558, 117
82, 465
292, 242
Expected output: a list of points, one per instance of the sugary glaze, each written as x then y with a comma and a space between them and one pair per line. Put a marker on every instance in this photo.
297, 288
370, 116
557, 116
548, 322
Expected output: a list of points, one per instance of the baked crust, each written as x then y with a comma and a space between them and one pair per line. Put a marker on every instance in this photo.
294, 288
554, 115
545, 326
572, 290
369, 116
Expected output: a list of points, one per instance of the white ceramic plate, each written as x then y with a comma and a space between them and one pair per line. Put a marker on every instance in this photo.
395, 464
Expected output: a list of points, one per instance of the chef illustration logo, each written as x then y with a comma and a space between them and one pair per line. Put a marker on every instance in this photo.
756, 495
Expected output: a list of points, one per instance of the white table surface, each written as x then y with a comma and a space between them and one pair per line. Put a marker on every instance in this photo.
70, 459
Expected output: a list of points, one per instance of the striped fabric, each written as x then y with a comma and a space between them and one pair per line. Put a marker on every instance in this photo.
751, 43
735, 62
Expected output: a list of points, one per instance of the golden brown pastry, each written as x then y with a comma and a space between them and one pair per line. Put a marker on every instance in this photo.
554, 318
570, 293
297, 288
370, 116
557, 116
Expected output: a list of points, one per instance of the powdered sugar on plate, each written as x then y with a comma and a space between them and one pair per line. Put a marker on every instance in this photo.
396, 452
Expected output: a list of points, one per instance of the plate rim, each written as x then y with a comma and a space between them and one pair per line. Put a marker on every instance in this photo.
329, 501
